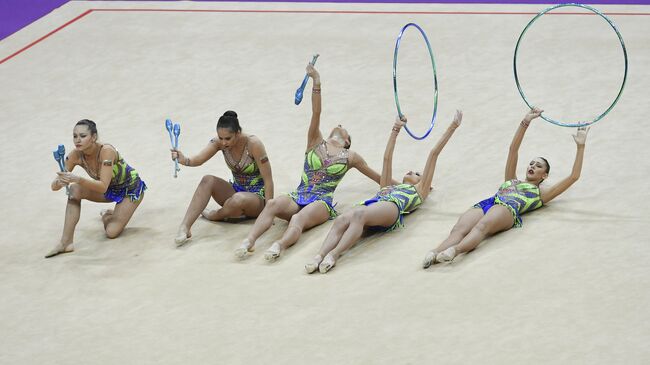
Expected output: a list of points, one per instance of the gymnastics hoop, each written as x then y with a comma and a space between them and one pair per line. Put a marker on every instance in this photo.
435, 80
620, 38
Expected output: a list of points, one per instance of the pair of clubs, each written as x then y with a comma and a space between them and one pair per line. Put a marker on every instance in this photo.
301, 88
174, 131
59, 156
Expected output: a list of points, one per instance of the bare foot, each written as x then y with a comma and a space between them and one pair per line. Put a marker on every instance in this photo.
327, 264
244, 249
273, 252
182, 237
60, 249
446, 255
429, 259
313, 266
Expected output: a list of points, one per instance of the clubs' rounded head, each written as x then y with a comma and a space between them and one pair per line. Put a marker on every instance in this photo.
177, 129
168, 125
61, 150
298, 96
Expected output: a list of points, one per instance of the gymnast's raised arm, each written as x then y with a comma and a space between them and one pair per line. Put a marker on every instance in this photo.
424, 186
387, 169
314, 135
513, 153
550, 193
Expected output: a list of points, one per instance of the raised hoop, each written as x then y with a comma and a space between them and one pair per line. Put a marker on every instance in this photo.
620, 38
435, 80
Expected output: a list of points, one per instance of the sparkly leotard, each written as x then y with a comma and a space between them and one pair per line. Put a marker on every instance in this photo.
322, 174
405, 197
125, 180
246, 174
518, 196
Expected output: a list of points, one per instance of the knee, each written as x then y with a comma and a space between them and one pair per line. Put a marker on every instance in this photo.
113, 232
341, 222
296, 221
207, 180
235, 201
357, 216
459, 229
272, 205
75, 192
482, 228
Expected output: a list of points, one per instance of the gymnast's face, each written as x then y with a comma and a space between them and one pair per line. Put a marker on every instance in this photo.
537, 170
343, 133
412, 177
227, 138
82, 137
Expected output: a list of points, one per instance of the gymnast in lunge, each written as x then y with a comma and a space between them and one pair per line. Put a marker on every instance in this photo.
385, 211
252, 181
514, 198
113, 180
326, 162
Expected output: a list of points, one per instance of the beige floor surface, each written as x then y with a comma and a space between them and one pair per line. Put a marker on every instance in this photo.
571, 286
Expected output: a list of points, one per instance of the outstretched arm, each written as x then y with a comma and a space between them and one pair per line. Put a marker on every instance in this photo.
387, 168
513, 153
356, 161
424, 186
314, 135
199, 159
580, 138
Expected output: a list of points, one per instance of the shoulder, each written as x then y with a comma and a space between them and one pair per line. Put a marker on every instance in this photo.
355, 158
74, 156
107, 151
215, 144
108, 154
254, 142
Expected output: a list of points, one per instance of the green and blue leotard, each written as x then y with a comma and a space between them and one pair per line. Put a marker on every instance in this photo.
321, 175
518, 196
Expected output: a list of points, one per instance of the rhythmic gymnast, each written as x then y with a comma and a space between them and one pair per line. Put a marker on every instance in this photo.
514, 198
252, 183
326, 162
113, 180
385, 211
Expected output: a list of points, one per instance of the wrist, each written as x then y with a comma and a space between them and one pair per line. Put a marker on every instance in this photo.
525, 123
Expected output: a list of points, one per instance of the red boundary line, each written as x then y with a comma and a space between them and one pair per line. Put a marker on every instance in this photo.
294, 12
45, 36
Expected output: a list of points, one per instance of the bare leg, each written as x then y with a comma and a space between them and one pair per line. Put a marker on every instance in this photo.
283, 207
210, 186
311, 215
72, 214
238, 205
383, 214
114, 223
463, 226
497, 219
339, 226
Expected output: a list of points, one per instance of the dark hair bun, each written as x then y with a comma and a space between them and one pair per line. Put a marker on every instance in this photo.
229, 120
230, 113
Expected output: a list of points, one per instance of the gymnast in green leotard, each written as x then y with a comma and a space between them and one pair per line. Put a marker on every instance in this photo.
252, 181
384, 211
326, 162
514, 198
112, 180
